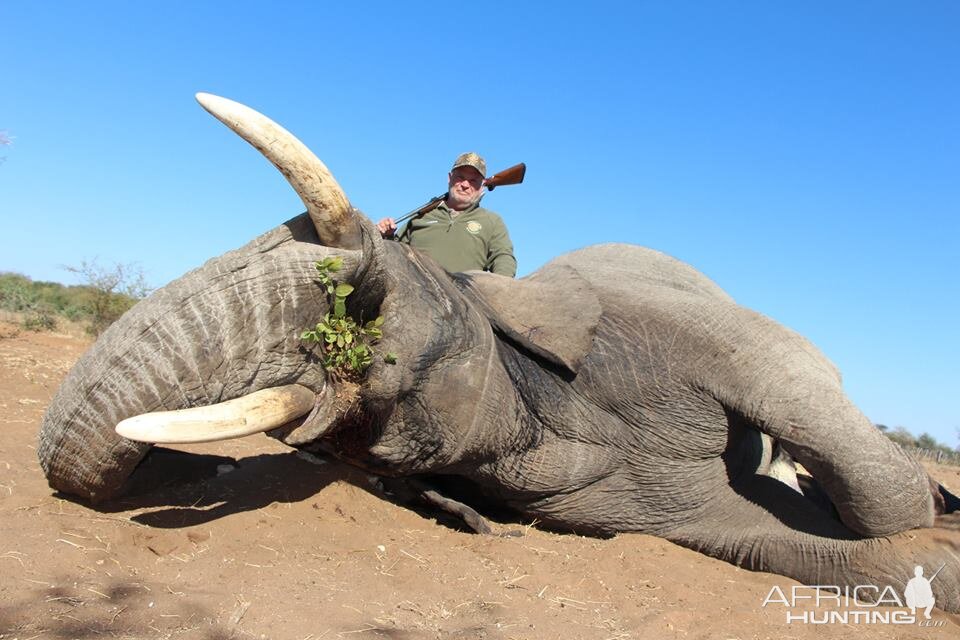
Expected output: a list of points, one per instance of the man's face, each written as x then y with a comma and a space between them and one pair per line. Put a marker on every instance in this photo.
465, 186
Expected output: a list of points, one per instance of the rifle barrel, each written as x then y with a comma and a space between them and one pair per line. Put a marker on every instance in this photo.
938, 571
421, 209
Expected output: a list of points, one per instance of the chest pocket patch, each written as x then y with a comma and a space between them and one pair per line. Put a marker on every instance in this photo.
474, 227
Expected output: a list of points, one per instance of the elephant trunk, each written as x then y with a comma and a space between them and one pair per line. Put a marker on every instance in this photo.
79, 451
222, 331
225, 330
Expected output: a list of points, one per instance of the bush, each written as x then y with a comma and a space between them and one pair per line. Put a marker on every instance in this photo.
908, 441
902, 437
106, 293
39, 320
16, 292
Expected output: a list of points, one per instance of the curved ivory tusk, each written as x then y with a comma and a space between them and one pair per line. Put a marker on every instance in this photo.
253, 413
326, 203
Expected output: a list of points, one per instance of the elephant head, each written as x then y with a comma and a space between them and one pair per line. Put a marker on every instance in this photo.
224, 338
616, 389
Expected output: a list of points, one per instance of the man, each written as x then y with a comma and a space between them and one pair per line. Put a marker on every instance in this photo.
458, 233
918, 593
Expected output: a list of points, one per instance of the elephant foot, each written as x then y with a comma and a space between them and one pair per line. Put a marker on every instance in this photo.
929, 554
413, 491
946, 502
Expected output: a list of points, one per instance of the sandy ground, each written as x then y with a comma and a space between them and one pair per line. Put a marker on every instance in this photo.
286, 547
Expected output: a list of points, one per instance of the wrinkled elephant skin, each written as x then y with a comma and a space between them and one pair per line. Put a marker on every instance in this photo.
614, 390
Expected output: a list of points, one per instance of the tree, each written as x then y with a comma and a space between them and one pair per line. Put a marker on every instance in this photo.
902, 437
927, 441
19, 294
111, 291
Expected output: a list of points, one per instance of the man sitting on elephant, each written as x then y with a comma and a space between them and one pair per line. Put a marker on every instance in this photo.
458, 233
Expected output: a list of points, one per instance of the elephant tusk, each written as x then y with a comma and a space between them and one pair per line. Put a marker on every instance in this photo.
326, 202
256, 412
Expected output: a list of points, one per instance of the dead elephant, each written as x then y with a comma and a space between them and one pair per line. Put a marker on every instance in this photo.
613, 390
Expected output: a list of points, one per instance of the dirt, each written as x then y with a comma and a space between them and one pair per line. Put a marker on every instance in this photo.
280, 545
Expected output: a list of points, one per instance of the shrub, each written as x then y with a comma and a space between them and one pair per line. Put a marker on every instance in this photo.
346, 346
16, 292
39, 320
107, 292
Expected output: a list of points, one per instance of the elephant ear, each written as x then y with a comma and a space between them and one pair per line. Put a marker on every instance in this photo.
552, 313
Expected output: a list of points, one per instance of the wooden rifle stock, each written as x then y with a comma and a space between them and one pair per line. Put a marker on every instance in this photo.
512, 175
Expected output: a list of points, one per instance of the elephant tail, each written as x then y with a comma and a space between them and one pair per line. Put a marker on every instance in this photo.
766, 526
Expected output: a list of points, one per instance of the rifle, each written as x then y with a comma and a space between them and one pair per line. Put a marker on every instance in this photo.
512, 175
938, 571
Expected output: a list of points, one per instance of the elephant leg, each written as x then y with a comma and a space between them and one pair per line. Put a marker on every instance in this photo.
946, 501
783, 468
876, 488
765, 526
780, 384
410, 490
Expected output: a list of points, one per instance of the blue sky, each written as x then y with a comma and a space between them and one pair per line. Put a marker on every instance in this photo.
803, 155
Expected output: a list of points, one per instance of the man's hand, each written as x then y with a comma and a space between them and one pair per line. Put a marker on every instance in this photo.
387, 227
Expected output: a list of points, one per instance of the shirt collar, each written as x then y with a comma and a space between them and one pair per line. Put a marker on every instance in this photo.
472, 207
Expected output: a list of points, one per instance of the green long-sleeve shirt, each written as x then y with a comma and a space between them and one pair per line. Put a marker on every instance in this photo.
473, 239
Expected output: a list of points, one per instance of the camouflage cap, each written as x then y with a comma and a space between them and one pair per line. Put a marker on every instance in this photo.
471, 159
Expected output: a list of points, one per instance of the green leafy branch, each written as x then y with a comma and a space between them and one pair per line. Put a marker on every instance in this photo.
346, 346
